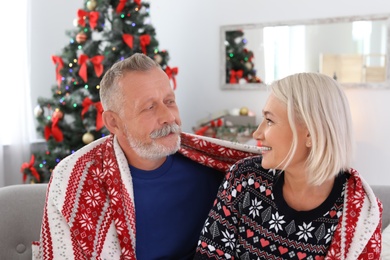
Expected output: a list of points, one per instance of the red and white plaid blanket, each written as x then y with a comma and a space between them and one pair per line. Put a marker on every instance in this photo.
90, 212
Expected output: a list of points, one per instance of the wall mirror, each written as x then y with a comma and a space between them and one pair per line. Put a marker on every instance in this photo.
354, 50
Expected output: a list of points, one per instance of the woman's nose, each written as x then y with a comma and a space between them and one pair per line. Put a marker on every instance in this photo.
258, 133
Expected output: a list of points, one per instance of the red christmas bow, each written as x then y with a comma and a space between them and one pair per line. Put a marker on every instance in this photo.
31, 167
87, 102
122, 4
128, 39
60, 64
97, 64
54, 130
93, 18
144, 41
235, 74
172, 72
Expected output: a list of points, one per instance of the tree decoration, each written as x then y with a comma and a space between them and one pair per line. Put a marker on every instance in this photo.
128, 39
81, 38
239, 65
172, 72
244, 111
87, 103
158, 58
88, 138
96, 62
59, 66
38, 111
235, 76
58, 113
144, 42
91, 5
30, 167
93, 18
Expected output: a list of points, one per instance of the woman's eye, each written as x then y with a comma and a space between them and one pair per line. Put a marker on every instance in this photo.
269, 122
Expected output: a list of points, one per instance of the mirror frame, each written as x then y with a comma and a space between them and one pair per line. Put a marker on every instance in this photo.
254, 86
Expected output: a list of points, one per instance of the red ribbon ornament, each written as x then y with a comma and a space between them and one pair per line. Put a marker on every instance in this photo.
122, 4
235, 74
202, 130
60, 64
96, 62
54, 130
93, 18
216, 123
144, 41
87, 103
172, 72
128, 39
31, 167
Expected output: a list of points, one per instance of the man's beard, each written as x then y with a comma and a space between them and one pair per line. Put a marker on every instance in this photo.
154, 150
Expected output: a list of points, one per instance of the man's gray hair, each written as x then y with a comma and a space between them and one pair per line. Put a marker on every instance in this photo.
110, 93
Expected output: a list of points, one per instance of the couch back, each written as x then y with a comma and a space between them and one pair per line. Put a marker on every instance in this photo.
383, 193
22, 208
21, 211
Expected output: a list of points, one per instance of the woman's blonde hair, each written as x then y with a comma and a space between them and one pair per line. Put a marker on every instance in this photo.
318, 102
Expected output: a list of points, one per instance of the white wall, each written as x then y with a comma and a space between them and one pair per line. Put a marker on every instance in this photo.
189, 30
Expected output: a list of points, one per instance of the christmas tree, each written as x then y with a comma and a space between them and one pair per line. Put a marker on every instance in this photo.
106, 31
239, 60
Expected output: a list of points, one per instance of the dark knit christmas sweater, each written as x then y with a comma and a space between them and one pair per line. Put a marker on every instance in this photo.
251, 220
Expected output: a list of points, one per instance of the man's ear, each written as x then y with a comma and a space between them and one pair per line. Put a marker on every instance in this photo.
111, 121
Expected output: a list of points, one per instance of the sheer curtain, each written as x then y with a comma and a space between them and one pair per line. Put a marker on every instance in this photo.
15, 103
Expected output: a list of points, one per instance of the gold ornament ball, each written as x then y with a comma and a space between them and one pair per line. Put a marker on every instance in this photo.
244, 111
88, 138
91, 5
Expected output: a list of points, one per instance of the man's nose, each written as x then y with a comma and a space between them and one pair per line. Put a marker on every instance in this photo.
166, 115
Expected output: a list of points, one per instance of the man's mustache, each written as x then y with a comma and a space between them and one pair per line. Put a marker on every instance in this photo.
166, 130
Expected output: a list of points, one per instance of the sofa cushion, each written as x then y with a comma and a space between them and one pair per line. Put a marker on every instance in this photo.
386, 243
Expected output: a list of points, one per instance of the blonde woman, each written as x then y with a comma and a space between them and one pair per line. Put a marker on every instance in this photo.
301, 199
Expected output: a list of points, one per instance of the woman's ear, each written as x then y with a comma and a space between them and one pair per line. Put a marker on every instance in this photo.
111, 121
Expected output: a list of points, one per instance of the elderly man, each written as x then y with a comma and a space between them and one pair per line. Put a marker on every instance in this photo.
132, 195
